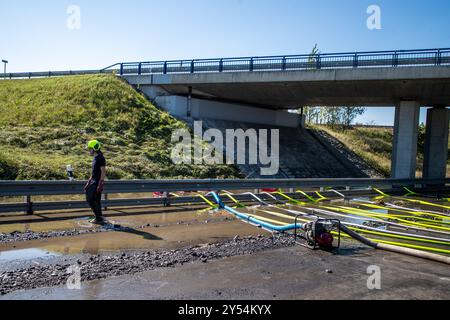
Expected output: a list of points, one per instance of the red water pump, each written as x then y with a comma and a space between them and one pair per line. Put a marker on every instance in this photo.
319, 234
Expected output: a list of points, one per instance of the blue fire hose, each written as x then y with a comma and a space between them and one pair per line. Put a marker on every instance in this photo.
254, 220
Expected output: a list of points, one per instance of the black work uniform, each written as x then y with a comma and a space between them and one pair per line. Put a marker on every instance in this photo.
92, 196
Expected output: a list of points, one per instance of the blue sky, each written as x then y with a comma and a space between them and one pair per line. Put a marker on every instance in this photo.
34, 35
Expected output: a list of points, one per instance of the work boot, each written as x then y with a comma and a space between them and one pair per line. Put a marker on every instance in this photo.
98, 220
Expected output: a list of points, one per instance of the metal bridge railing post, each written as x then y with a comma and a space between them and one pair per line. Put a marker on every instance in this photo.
318, 62
395, 60
165, 68
192, 66
355, 61
121, 69
221, 65
283, 64
251, 64
438, 58
140, 69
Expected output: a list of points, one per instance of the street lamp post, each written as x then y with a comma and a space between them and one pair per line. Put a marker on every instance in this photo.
4, 68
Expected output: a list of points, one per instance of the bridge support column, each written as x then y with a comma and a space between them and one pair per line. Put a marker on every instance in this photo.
436, 143
406, 129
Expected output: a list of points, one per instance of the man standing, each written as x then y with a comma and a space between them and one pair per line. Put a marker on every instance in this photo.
95, 185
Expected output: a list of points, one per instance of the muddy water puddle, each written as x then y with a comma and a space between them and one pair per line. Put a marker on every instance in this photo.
44, 222
25, 255
149, 238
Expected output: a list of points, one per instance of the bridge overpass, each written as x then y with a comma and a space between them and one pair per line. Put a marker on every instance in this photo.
261, 89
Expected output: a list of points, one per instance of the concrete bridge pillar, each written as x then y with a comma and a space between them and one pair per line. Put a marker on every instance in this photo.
406, 129
436, 143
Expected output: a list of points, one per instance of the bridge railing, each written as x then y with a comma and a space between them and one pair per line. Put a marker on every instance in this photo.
349, 60
29, 189
428, 57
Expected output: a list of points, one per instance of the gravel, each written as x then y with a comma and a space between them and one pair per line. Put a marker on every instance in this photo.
103, 266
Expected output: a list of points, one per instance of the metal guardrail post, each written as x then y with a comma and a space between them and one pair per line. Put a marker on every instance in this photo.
283, 64
29, 205
438, 58
192, 66
166, 199
221, 65
140, 69
251, 64
105, 198
121, 69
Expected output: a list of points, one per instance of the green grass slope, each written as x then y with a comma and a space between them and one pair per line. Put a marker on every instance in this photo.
374, 145
45, 124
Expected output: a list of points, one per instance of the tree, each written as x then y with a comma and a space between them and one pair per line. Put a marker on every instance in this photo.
349, 114
312, 59
343, 116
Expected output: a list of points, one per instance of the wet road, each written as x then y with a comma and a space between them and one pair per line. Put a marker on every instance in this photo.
287, 273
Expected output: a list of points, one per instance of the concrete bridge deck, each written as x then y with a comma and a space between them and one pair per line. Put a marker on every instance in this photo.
257, 90
430, 86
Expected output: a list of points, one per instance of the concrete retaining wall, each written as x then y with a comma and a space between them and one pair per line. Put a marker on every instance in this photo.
207, 109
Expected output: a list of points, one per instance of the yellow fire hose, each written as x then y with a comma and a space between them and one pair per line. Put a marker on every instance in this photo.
398, 247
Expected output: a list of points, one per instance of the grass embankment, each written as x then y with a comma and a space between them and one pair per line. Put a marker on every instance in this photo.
374, 145
45, 124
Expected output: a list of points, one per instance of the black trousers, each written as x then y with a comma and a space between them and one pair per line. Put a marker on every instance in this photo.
94, 199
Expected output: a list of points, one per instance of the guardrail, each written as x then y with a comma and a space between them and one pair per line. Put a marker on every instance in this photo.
42, 188
347, 60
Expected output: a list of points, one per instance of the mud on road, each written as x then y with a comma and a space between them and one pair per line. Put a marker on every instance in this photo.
102, 266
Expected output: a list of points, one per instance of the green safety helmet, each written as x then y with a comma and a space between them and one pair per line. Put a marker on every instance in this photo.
94, 145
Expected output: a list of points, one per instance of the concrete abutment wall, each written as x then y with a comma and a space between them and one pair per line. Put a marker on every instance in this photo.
181, 106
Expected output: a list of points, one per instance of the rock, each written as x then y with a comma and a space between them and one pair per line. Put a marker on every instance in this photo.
329, 271
236, 238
